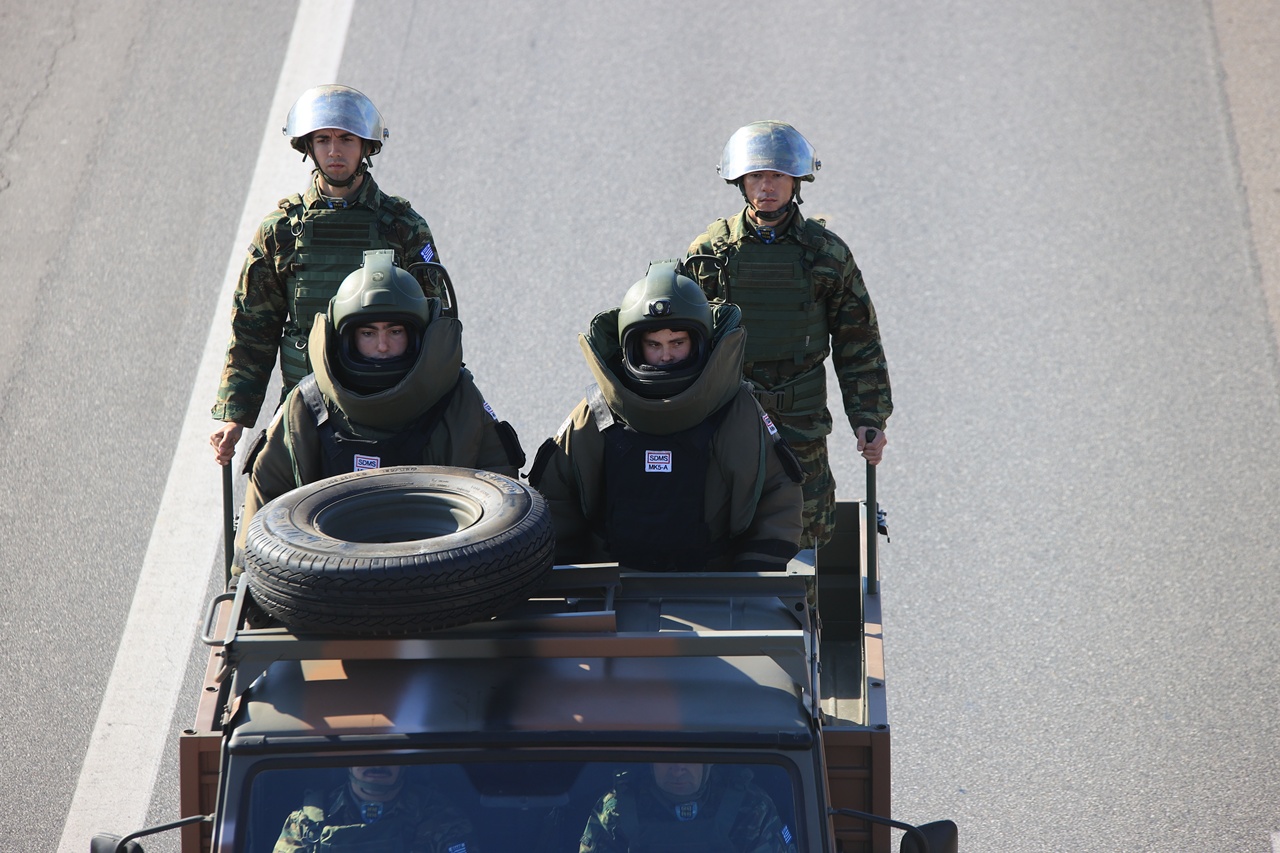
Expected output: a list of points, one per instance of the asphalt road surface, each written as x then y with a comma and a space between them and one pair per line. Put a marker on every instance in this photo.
1065, 213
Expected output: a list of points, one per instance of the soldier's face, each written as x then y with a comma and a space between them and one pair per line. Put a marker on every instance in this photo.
681, 780
376, 784
337, 152
379, 341
664, 346
768, 191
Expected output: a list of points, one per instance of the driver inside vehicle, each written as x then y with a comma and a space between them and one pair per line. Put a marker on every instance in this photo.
377, 809
686, 807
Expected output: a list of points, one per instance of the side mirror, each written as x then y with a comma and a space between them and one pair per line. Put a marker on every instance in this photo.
111, 844
943, 837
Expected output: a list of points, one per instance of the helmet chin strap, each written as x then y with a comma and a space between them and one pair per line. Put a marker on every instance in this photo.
355, 175
771, 215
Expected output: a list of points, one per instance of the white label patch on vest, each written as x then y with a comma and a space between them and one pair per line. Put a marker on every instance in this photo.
490, 410
657, 461
367, 463
768, 424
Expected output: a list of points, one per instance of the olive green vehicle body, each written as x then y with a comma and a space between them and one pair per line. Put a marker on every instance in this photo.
604, 666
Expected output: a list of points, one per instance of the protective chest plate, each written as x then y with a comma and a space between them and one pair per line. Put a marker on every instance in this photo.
328, 246
773, 287
655, 494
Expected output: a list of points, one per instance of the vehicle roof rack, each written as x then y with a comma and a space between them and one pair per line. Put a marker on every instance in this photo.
576, 614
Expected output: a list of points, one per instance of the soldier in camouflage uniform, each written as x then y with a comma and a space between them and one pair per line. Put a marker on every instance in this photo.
711, 809
802, 299
376, 811
302, 251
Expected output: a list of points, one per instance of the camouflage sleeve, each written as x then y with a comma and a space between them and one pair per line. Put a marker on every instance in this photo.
856, 351
600, 834
758, 828
258, 312
704, 273
418, 246
301, 830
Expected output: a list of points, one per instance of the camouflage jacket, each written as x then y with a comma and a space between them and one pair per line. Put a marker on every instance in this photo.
861, 370
755, 828
260, 306
419, 820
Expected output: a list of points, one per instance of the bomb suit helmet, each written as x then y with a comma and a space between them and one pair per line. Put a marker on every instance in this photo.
665, 298
378, 291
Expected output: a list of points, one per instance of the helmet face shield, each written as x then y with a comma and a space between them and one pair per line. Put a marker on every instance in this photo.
378, 292
664, 299
768, 146
338, 107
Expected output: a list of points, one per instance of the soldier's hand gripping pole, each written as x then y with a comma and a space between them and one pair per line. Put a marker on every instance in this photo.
873, 567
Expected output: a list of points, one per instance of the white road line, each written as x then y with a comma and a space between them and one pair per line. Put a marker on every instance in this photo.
1275, 842
119, 772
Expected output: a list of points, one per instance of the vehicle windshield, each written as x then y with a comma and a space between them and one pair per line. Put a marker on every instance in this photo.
525, 806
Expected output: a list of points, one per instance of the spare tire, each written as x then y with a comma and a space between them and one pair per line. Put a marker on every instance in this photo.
398, 550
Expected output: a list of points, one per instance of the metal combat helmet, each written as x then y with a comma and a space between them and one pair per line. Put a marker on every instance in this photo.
338, 107
768, 146
665, 298
377, 292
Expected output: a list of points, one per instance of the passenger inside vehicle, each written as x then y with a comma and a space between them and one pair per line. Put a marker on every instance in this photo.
527, 806
377, 807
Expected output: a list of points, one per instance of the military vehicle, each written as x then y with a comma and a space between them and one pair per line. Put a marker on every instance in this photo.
522, 718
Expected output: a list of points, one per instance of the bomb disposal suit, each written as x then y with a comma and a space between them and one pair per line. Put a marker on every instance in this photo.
355, 413
674, 467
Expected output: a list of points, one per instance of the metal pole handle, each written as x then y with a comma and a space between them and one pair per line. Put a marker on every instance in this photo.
873, 566
228, 522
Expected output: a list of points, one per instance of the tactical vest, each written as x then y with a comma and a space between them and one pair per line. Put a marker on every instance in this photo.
328, 246
699, 834
342, 453
655, 493
773, 285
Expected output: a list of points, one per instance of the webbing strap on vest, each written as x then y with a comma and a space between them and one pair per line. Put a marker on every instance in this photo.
805, 393
310, 391
791, 463
600, 411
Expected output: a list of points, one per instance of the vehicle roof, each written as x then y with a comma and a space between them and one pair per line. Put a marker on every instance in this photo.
579, 699
688, 659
